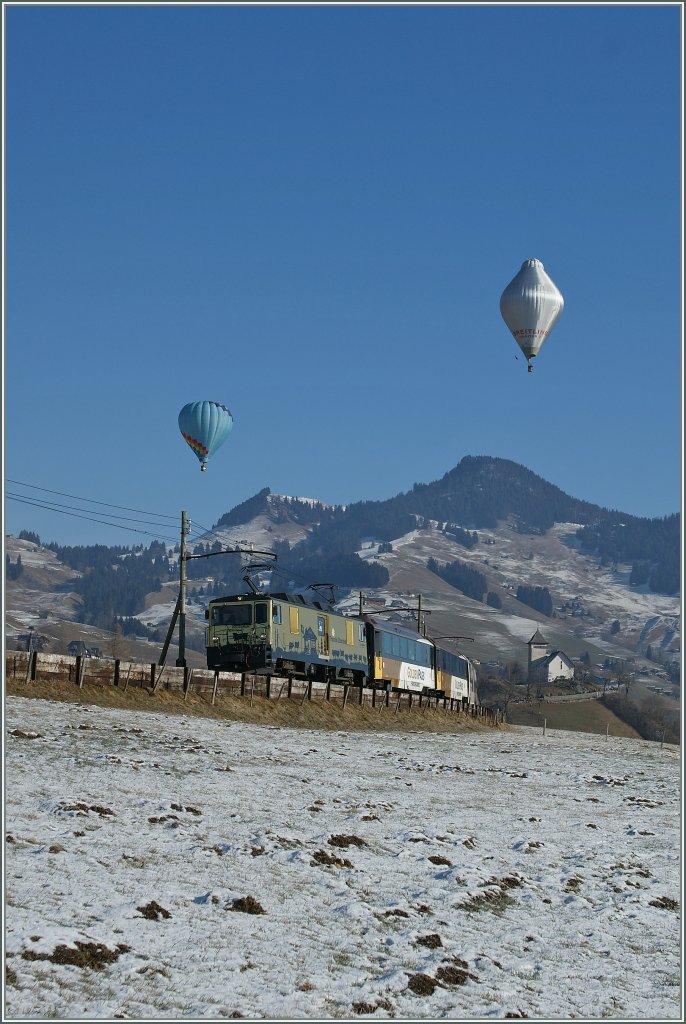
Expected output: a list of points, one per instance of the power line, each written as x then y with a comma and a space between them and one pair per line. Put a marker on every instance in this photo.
59, 506
92, 501
103, 522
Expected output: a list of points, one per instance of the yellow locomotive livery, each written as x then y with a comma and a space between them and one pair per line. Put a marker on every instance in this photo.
280, 633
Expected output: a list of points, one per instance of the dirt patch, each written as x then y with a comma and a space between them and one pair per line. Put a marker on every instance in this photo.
153, 911
422, 984
247, 905
190, 810
432, 941
82, 808
345, 841
94, 955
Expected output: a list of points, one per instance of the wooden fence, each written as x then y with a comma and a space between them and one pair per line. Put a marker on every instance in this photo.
25, 666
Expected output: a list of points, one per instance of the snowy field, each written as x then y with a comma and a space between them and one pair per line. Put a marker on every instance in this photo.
163, 867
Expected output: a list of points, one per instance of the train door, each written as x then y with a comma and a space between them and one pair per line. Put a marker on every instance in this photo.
323, 634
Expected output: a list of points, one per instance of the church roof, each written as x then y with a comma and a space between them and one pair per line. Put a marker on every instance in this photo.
538, 638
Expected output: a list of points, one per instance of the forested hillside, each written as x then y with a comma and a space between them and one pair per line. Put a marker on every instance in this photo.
477, 494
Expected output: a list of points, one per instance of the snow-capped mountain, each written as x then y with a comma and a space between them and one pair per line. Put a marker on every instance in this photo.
595, 608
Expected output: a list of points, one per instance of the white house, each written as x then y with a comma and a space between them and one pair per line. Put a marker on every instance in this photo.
545, 667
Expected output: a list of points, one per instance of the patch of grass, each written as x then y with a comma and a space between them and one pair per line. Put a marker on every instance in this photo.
664, 903
495, 896
316, 714
330, 860
380, 1004
575, 716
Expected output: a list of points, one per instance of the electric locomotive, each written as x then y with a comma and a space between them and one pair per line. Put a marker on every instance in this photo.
287, 634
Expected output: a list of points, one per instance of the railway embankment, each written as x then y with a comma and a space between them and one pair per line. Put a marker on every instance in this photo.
288, 702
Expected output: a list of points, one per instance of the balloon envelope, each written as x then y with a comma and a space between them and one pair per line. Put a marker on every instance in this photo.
205, 426
531, 306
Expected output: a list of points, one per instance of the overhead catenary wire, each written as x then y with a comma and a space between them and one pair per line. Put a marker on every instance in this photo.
81, 513
58, 506
92, 501
67, 510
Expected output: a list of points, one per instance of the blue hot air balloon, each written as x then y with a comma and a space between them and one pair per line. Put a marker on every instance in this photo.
205, 426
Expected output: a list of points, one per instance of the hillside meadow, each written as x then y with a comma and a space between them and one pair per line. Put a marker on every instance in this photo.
164, 864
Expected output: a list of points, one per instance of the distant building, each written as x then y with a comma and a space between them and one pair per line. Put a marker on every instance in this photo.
546, 667
76, 648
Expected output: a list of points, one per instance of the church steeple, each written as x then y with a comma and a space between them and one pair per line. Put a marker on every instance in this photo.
538, 647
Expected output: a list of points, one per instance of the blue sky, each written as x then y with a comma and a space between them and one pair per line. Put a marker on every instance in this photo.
309, 213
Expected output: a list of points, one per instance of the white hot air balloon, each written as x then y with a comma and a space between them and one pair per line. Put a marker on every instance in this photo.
531, 306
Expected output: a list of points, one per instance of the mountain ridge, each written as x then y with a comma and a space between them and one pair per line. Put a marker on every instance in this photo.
386, 549
482, 491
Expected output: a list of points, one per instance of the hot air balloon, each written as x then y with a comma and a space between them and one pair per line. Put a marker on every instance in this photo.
205, 426
531, 306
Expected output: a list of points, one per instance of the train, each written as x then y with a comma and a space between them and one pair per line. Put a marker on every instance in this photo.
290, 634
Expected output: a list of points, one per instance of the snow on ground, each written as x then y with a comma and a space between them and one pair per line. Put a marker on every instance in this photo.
412, 876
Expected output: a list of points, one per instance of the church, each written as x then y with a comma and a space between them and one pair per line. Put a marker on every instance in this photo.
544, 667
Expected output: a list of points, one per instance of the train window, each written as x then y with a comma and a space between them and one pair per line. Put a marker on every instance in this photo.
320, 625
294, 620
260, 613
276, 614
360, 632
349, 631
231, 614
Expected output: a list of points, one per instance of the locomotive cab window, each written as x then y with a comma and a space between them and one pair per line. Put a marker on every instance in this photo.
232, 615
260, 613
276, 615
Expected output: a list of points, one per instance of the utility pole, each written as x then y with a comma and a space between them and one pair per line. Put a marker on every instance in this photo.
180, 607
181, 660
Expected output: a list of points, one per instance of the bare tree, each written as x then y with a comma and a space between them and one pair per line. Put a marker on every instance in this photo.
118, 646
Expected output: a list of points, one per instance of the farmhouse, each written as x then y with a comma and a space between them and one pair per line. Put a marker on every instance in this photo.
546, 667
76, 647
